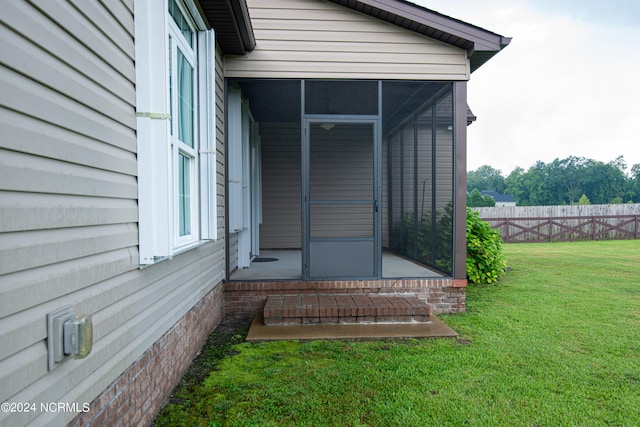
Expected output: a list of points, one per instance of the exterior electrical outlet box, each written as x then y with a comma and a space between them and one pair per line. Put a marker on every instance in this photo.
68, 335
55, 334
78, 336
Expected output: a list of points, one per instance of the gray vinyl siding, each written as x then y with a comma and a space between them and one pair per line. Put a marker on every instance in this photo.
220, 148
281, 186
281, 225
341, 169
319, 39
409, 170
233, 251
68, 204
385, 193
417, 184
444, 169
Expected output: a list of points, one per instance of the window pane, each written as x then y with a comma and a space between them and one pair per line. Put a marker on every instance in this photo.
185, 100
181, 21
184, 200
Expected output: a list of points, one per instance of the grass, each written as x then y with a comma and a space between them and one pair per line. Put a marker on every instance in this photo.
555, 342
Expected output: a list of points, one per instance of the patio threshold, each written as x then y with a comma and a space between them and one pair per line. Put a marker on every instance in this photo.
435, 328
285, 264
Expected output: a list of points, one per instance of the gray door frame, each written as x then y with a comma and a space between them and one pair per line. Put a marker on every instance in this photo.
377, 190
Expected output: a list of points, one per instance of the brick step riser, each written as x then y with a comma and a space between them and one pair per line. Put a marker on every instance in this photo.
274, 321
344, 309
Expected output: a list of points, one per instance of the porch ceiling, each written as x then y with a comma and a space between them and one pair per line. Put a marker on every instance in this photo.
274, 101
277, 101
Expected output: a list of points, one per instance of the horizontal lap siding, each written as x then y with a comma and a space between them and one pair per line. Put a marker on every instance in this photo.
281, 186
220, 144
385, 193
341, 169
317, 39
395, 184
444, 169
68, 204
425, 173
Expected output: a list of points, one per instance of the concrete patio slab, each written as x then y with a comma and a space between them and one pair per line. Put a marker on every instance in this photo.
435, 328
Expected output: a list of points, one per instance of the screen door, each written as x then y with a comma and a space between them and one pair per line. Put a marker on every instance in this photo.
341, 200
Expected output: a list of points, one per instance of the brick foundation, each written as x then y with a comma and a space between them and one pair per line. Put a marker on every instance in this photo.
442, 295
136, 397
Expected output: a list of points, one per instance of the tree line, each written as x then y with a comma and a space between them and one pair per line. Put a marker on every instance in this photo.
560, 182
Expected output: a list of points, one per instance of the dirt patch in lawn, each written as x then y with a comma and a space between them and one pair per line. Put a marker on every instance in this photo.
231, 331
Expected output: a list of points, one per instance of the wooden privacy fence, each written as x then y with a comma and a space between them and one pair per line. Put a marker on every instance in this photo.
562, 229
565, 223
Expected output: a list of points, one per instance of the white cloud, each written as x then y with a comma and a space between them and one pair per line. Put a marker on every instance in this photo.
566, 85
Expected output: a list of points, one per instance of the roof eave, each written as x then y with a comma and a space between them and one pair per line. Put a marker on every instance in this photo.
231, 21
480, 44
234, 32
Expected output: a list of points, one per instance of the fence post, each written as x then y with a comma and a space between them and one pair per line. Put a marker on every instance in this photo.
593, 228
506, 229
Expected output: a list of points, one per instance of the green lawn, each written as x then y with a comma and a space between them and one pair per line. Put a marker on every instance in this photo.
555, 343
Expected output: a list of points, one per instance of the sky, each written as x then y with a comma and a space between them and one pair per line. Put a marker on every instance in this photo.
568, 84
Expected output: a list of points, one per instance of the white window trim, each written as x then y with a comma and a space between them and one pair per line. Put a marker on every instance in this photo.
207, 132
244, 177
157, 173
178, 148
234, 158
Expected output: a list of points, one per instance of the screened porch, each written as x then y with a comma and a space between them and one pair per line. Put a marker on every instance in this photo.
341, 179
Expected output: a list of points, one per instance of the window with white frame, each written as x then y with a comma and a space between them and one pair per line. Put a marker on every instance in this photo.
175, 83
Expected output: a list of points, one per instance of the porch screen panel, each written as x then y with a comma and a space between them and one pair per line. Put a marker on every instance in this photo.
276, 108
425, 219
409, 190
444, 183
396, 226
281, 186
350, 97
421, 175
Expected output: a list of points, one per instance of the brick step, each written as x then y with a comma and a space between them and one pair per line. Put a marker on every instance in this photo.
311, 309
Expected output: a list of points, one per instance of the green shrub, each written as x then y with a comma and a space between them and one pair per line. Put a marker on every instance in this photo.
485, 260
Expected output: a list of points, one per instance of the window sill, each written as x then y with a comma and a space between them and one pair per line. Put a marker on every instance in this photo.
178, 251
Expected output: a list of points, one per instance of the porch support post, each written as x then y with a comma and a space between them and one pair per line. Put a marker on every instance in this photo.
460, 180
